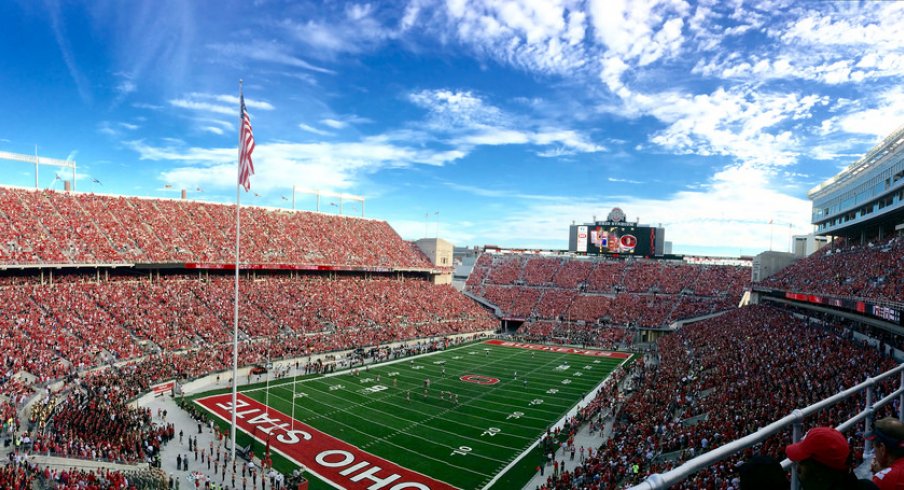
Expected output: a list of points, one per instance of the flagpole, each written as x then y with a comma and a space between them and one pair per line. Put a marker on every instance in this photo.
235, 318
294, 388
267, 391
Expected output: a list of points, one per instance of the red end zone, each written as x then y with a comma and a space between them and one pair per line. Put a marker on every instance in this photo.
328, 457
562, 350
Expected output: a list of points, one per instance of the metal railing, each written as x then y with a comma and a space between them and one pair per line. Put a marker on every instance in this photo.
795, 420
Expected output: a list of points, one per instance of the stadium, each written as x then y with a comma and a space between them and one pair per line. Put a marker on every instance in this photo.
360, 366
193, 293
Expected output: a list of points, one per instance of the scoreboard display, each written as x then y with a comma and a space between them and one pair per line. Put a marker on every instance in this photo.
614, 238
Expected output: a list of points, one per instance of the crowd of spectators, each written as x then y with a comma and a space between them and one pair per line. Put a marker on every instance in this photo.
49, 227
720, 379
49, 330
874, 270
141, 330
93, 420
16, 476
607, 291
19, 473
548, 332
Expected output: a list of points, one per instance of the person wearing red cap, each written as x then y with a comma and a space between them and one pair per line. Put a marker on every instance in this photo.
888, 440
822, 461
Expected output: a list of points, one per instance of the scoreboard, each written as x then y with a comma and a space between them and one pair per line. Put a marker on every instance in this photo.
611, 238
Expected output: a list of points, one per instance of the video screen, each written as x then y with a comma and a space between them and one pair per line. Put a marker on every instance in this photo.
619, 240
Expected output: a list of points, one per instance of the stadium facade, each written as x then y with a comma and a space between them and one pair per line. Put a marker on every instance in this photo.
865, 200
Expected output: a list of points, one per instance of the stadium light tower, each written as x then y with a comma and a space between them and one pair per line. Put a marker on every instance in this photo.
319, 193
37, 161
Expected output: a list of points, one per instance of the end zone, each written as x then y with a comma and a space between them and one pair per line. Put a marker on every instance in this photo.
561, 350
336, 461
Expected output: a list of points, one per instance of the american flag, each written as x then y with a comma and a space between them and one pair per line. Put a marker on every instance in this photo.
246, 148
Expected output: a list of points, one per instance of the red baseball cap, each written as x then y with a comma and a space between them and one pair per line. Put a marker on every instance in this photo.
824, 445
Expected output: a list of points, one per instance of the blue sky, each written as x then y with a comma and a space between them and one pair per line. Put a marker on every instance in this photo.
486, 122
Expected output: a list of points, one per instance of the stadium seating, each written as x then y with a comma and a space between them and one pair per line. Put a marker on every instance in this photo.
874, 271
49, 227
720, 379
643, 292
77, 322
568, 333
179, 326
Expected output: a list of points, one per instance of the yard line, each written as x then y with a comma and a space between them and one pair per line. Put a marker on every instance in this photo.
423, 422
347, 410
501, 361
369, 400
355, 429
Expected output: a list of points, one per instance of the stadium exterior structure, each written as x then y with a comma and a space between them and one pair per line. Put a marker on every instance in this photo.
865, 200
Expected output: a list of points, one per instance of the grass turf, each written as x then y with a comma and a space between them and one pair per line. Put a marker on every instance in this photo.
464, 444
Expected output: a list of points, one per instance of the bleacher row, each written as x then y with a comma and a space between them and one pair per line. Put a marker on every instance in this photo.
717, 380
78, 322
649, 293
874, 271
49, 227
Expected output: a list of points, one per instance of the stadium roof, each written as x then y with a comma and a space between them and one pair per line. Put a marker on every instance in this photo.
888, 146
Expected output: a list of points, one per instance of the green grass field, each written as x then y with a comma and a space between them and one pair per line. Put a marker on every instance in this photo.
383, 410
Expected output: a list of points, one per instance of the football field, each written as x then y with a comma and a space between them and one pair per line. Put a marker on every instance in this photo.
383, 427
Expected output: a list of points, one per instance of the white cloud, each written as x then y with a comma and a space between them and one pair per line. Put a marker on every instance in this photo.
359, 30
202, 106
319, 165
333, 123
743, 122
312, 129
498, 193
269, 52
832, 43
730, 213
537, 35
115, 129
886, 115
126, 86
469, 121
641, 31
218, 104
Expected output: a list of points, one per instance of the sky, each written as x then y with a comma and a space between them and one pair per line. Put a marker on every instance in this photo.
479, 121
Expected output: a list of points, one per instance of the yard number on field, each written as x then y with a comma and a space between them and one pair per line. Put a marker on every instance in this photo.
461, 451
492, 431
515, 415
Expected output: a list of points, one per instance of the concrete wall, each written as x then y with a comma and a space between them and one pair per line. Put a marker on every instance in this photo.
768, 263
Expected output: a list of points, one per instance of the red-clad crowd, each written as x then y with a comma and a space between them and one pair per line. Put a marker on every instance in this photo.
568, 333
642, 292
15, 477
49, 330
874, 270
94, 421
718, 380
49, 227
178, 326
20, 474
